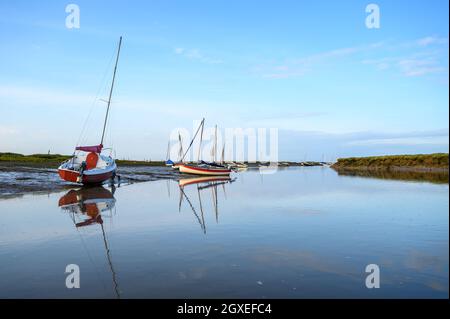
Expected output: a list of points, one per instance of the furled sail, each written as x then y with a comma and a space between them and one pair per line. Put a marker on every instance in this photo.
94, 148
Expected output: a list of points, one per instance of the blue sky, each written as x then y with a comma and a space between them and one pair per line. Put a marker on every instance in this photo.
312, 69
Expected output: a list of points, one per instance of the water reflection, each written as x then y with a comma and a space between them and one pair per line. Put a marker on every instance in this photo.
95, 203
302, 232
416, 176
202, 185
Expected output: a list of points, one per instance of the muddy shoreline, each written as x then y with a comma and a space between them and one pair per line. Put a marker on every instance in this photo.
17, 180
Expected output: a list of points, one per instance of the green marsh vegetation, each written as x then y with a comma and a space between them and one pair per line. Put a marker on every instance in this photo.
436, 161
422, 167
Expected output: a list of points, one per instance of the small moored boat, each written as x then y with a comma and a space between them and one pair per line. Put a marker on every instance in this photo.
88, 168
204, 168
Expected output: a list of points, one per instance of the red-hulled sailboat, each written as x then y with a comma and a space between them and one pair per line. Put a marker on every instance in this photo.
88, 165
204, 168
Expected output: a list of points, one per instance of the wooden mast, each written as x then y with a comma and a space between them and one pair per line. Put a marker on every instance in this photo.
215, 145
111, 90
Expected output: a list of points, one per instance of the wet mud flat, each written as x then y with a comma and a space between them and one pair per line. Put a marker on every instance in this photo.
17, 180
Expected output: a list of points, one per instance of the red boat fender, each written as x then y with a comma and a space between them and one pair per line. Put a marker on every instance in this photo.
91, 160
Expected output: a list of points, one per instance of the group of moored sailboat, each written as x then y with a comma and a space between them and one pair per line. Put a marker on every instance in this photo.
213, 168
88, 166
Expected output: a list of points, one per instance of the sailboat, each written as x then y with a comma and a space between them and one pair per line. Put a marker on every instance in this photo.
169, 162
205, 168
88, 165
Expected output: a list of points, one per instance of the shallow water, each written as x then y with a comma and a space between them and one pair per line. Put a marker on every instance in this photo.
300, 233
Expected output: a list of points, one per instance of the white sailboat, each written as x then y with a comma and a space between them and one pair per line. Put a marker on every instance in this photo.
88, 165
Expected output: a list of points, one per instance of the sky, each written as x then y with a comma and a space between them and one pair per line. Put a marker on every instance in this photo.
312, 69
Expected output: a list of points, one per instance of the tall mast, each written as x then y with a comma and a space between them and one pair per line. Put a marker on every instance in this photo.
180, 152
222, 160
168, 151
111, 90
201, 138
215, 145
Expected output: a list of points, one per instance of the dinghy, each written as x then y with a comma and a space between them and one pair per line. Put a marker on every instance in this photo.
88, 166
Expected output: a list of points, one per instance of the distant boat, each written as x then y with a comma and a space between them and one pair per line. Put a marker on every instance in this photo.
238, 166
205, 168
90, 167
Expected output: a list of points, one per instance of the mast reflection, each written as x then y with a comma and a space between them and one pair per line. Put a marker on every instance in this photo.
93, 203
202, 184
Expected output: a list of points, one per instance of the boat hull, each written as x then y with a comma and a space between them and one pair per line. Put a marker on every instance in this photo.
188, 169
87, 179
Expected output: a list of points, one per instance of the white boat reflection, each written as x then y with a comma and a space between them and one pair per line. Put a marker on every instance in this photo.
203, 183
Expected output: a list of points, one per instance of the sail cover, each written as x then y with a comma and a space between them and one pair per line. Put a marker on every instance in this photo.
94, 148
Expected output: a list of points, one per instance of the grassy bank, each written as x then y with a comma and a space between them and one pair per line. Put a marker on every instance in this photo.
420, 162
53, 160
44, 160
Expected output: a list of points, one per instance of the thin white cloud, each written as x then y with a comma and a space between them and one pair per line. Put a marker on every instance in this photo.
197, 55
313, 145
300, 66
412, 65
179, 50
424, 56
430, 40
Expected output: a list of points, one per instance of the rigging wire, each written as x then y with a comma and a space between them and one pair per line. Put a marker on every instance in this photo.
102, 85
192, 141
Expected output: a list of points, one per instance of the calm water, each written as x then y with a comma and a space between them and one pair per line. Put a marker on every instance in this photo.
299, 233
